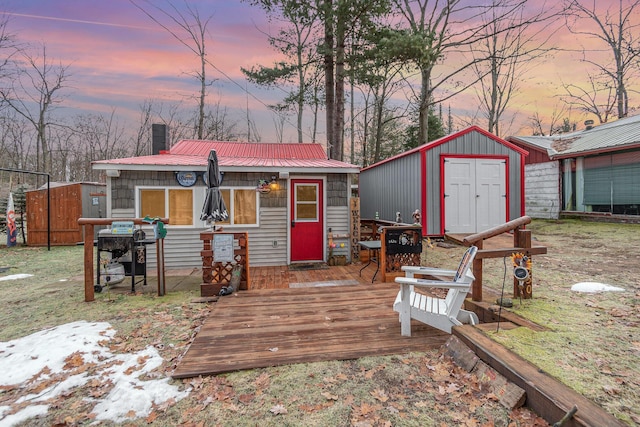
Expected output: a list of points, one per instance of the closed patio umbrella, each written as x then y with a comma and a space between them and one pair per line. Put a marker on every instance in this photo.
214, 208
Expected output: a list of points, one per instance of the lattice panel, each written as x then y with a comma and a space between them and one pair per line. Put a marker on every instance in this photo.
395, 262
219, 273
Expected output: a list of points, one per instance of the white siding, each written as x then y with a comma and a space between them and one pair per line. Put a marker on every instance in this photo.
273, 228
542, 190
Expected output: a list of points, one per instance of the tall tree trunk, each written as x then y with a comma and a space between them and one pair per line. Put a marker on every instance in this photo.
353, 122
329, 77
203, 92
493, 119
379, 109
340, 78
423, 109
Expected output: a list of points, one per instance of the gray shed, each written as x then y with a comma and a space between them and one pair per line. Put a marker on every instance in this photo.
465, 182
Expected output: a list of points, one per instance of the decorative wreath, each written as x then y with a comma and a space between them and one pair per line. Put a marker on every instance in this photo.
519, 259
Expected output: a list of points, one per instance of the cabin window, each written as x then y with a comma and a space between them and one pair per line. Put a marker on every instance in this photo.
242, 204
177, 203
183, 206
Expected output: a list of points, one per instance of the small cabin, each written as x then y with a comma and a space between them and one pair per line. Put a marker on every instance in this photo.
289, 198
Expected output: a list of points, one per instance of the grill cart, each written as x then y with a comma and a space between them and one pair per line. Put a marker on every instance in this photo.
126, 255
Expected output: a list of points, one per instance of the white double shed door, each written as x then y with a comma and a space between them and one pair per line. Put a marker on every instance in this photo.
475, 194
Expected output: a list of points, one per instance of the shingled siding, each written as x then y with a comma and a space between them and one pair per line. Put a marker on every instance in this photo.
123, 197
338, 190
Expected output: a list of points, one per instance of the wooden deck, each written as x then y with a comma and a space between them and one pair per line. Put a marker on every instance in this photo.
272, 324
280, 277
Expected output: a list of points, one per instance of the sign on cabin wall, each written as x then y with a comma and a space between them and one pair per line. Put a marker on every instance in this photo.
403, 240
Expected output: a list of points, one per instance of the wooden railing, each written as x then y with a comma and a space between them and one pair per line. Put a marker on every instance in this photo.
521, 244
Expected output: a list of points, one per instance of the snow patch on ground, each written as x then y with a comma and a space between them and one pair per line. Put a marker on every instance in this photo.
27, 361
15, 277
594, 287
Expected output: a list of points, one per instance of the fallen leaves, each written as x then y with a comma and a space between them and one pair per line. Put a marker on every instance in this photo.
278, 410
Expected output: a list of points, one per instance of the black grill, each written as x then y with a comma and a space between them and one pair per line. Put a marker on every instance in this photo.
126, 248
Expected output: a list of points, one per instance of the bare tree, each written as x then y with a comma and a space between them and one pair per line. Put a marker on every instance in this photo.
596, 97
297, 41
435, 29
613, 24
142, 139
33, 94
537, 122
512, 45
219, 125
98, 137
16, 136
194, 27
7, 46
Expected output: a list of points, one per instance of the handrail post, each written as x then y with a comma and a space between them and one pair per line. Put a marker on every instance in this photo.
476, 287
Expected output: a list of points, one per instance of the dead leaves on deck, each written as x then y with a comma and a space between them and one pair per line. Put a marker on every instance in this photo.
417, 387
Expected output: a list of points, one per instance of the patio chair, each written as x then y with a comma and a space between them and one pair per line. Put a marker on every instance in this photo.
441, 313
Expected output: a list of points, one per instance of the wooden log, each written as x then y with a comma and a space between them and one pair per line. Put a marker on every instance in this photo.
509, 395
461, 354
497, 230
504, 252
546, 396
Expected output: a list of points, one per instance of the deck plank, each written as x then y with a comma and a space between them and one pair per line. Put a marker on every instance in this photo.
282, 326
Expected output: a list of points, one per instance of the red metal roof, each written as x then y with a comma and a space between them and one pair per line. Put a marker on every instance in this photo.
431, 144
194, 153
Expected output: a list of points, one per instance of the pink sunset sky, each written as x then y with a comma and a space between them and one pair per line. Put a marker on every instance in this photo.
118, 58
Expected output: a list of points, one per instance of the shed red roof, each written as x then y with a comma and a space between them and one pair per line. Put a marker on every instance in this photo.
431, 144
234, 155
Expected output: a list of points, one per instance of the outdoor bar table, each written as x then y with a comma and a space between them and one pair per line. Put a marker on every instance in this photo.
373, 248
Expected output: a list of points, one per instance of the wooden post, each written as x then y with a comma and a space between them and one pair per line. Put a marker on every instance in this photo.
354, 226
476, 287
160, 266
522, 239
382, 255
89, 295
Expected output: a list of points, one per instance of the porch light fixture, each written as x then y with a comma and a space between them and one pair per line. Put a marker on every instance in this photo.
273, 184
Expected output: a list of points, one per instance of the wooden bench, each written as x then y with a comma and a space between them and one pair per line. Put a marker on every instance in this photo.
441, 313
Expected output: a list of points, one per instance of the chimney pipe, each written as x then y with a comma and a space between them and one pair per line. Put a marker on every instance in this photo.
159, 138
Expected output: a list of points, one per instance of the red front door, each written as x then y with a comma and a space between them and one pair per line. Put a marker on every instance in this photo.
307, 212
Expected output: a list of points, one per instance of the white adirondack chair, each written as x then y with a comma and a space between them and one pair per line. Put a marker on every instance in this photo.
441, 313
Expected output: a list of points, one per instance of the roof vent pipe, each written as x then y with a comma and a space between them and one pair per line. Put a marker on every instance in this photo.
588, 124
159, 138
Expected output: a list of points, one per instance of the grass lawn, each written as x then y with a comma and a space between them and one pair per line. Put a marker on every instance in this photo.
592, 345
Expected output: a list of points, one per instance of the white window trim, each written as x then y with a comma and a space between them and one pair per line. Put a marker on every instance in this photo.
196, 210
198, 201
317, 203
231, 208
